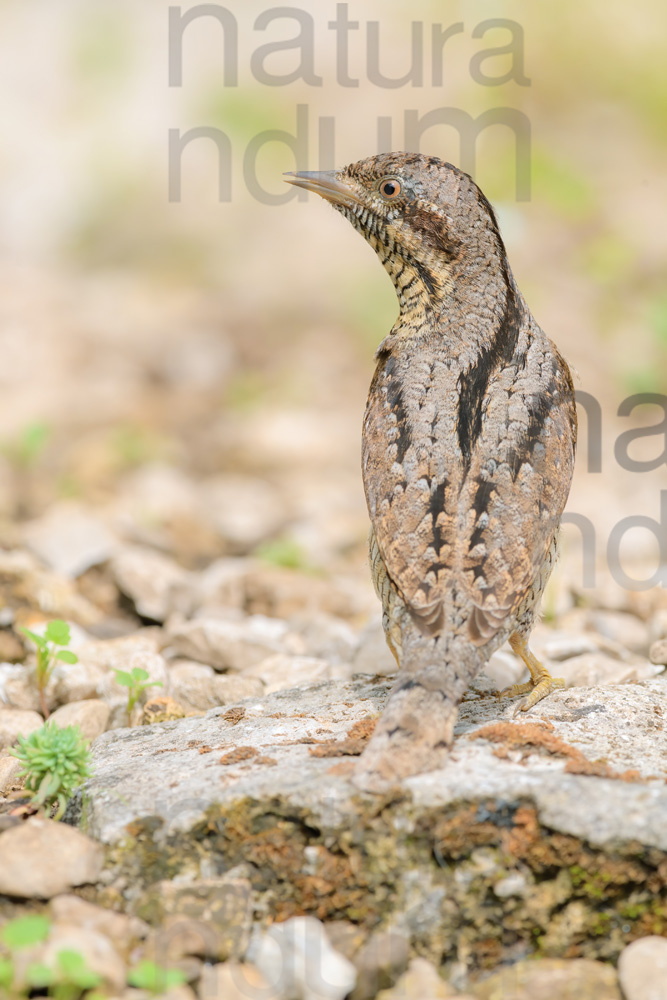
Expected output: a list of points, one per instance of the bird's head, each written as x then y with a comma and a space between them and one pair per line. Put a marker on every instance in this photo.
428, 222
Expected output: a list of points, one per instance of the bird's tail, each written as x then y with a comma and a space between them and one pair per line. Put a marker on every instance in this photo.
416, 729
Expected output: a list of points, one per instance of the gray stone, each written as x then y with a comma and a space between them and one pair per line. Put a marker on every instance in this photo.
15, 722
624, 628
42, 858
592, 669
70, 539
420, 982
280, 672
658, 652
233, 645
158, 586
90, 716
123, 930
244, 510
373, 655
619, 723
642, 969
379, 963
10, 768
198, 687
207, 918
296, 958
235, 981
74, 682
551, 979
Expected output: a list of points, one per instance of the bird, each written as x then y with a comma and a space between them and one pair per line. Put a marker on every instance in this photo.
468, 447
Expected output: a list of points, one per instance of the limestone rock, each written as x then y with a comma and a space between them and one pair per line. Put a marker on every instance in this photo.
121, 929
281, 672
233, 645
10, 768
14, 723
235, 981
70, 539
41, 858
642, 969
658, 652
420, 982
91, 716
551, 979
158, 586
198, 687
296, 958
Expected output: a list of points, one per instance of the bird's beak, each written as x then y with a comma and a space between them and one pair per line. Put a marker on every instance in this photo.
326, 183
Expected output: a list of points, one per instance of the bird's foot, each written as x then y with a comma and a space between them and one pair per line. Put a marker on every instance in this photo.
535, 690
541, 682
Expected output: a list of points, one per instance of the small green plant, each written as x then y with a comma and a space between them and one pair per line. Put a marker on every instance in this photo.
55, 634
71, 977
55, 762
154, 978
136, 681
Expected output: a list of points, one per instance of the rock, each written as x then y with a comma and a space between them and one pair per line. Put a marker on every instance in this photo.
379, 963
621, 627
70, 539
18, 689
420, 982
14, 723
198, 687
282, 593
558, 644
10, 769
503, 670
74, 682
266, 786
234, 981
551, 979
296, 959
42, 858
642, 969
207, 918
115, 694
95, 948
658, 652
123, 930
325, 637
591, 669
110, 654
373, 655
158, 586
280, 672
244, 510
230, 645
90, 716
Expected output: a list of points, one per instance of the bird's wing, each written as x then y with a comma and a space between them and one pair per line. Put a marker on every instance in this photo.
464, 540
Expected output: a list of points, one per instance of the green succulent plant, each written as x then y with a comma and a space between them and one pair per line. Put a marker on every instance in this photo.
55, 762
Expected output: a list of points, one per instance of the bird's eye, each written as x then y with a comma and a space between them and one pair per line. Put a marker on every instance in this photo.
390, 188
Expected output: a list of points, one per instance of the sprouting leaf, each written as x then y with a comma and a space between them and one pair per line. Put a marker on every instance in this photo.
57, 631
149, 976
67, 656
139, 674
39, 975
124, 679
6, 973
25, 931
39, 640
75, 969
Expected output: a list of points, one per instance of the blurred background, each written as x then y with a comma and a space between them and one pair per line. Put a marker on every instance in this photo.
190, 374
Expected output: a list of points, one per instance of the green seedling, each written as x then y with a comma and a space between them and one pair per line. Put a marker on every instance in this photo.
55, 763
69, 979
55, 634
154, 978
136, 681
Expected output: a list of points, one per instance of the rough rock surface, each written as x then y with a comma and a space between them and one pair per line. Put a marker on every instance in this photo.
553, 824
41, 858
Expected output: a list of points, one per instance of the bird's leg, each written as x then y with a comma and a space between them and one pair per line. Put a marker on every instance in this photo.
541, 682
